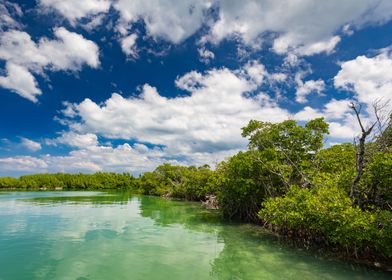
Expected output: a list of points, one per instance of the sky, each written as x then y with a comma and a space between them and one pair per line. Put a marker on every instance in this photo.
127, 85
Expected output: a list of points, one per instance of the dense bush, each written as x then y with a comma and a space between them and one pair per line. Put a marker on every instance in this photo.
377, 183
8, 182
335, 166
244, 183
280, 155
189, 183
328, 212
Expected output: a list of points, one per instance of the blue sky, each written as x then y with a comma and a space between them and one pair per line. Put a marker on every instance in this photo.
126, 85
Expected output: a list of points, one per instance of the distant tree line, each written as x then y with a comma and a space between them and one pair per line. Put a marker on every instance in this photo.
62, 181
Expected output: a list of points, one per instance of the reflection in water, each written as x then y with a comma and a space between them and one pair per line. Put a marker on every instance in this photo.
92, 235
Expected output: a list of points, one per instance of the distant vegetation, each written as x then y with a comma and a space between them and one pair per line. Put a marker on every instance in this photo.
339, 197
61, 181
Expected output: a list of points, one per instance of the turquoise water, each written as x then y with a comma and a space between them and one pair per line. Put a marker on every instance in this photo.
92, 235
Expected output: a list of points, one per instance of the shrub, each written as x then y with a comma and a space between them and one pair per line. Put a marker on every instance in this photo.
328, 212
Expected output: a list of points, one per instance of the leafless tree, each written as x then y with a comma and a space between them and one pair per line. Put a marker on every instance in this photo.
378, 107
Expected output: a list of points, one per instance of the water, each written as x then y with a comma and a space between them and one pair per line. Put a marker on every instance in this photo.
91, 235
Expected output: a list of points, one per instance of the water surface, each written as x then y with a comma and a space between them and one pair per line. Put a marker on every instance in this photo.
92, 235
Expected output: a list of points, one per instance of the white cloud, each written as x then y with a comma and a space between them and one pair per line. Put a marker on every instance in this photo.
288, 43
369, 78
346, 130
326, 46
20, 81
342, 123
171, 20
128, 45
76, 9
22, 164
306, 27
337, 109
205, 55
30, 144
203, 127
9, 12
69, 51
306, 88
307, 114
74, 140
123, 158
210, 119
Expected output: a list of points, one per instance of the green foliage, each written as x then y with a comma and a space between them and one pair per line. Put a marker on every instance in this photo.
335, 166
336, 159
8, 182
189, 183
329, 212
293, 141
244, 184
377, 185
280, 155
291, 145
64, 181
384, 140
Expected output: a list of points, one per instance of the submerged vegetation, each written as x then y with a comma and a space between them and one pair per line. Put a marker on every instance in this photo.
285, 181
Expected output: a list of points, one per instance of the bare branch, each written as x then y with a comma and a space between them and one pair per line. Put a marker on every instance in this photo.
357, 111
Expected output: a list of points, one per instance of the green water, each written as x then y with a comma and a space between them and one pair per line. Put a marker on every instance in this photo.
90, 235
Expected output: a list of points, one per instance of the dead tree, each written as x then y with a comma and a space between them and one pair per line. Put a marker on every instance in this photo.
365, 132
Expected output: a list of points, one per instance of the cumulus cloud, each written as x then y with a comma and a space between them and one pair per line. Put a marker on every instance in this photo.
76, 9
342, 123
208, 120
69, 51
22, 164
30, 144
123, 158
128, 45
20, 81
369, 78
306, 88
9, 12
201, 127
337, 109
169, 19
205, 55
75, 140
286, 44
305, 26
